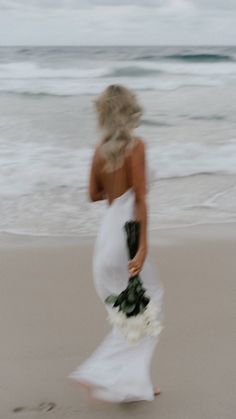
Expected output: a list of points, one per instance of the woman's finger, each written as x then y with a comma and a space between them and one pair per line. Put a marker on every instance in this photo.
133, 271
132, 266
132, 274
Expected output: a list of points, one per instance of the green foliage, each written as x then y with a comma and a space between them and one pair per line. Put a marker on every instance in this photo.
111, 299
132, 300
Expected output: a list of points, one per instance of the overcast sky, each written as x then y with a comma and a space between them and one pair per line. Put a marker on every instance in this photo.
117, 22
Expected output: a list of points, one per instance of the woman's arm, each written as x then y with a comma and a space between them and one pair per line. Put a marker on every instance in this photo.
140, 190
96, 191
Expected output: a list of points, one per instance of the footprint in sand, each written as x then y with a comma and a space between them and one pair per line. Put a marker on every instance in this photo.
42, 407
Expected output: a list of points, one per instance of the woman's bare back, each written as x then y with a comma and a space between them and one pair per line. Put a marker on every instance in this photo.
113, 184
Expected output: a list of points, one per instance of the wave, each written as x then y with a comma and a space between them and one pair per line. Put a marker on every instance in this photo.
167, 161
82, 86
207, 58
151, 123
31, 70
188, 57
133, 71
191, 159
32, 78
54, 190
208, 118
63, 90
25, 51
147, 58
87, 70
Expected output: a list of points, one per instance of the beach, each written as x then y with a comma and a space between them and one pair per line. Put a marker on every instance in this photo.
52, 319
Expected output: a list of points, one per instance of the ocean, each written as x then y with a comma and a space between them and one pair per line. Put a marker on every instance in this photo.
48, 130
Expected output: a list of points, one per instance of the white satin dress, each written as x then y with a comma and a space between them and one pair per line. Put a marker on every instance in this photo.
118, 371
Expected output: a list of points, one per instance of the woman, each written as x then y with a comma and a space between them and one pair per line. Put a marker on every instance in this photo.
118, 371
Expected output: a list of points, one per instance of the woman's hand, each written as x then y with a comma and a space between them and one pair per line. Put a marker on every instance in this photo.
135, 265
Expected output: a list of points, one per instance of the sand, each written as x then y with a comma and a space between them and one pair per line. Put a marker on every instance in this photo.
51, 320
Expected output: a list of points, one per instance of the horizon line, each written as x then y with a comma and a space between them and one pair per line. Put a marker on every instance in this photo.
116, 45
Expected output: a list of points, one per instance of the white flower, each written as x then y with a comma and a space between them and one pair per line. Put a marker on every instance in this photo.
117, 317
143, 324
135, 322
152, 310
154, 328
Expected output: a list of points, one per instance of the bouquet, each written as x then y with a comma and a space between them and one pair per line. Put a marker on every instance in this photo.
133, 312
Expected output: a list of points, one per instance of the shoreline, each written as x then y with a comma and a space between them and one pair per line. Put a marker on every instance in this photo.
206, 231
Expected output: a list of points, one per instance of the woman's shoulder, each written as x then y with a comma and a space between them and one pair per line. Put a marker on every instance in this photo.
139, 143
97, 150
138, 146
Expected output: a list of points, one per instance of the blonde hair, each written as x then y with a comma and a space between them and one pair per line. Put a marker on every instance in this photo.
118, 114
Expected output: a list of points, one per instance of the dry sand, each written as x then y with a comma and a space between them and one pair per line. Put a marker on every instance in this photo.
51, 320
